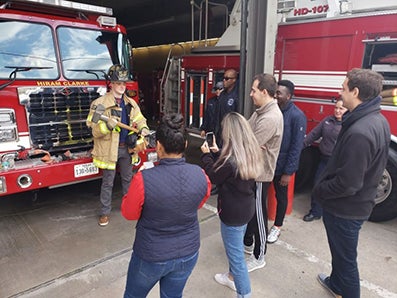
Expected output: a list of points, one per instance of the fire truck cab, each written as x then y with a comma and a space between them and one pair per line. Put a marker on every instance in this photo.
54, 56
317, 42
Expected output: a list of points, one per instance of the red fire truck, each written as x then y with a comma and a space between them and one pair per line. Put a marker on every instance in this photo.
317, 42
53, 59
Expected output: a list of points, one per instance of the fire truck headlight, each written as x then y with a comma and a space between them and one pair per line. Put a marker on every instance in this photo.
8, 134
107, 21
8, 127
152, 156
3, 185
7, 116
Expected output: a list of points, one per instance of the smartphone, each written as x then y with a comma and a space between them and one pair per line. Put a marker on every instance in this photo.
148, 164
209, 137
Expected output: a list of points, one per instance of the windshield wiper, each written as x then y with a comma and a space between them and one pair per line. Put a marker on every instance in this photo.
91, 71
16, 69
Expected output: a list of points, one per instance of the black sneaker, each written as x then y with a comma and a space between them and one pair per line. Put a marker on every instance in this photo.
310, 217
325, 282
214, 190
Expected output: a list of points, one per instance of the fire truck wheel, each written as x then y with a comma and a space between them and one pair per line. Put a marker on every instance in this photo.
307, 167
386, 199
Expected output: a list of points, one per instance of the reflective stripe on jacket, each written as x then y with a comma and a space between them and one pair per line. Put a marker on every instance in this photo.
106, 142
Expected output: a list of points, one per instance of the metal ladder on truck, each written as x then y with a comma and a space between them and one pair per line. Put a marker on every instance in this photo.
170, 85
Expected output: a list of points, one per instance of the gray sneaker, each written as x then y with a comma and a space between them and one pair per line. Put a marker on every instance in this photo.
253, 263
249, 249
224, 280
273, 234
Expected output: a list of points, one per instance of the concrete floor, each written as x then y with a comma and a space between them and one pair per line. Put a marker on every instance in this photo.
54, 248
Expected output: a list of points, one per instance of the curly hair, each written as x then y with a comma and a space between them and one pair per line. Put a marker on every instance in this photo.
288, 84
171, 133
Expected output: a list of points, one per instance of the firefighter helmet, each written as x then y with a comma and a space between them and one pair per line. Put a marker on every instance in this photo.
118, 73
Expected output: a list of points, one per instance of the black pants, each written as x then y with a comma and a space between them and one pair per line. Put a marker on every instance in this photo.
282, 201
257, 228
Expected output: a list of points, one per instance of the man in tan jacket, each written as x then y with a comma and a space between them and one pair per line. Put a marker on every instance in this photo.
110, 147
267, 124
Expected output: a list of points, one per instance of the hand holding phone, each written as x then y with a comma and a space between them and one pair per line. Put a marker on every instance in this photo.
148, 164
209, 137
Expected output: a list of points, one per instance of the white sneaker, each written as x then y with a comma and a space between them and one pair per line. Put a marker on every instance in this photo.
253, 263
273, 234
249, 249
224, 280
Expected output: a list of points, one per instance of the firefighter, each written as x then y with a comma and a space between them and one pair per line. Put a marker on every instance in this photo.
210, 119
110, 141
227, 101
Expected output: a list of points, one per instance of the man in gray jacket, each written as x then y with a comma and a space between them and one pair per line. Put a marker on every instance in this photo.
347, 187
267, 124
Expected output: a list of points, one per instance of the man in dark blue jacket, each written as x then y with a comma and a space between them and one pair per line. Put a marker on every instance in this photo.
227, 101
288, 158
347, 187
210, 120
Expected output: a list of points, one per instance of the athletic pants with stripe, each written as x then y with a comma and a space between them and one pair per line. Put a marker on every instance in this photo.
257, 228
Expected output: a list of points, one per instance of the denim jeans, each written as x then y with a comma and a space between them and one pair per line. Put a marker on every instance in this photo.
343, 240
316, 208
142, 276
232, 237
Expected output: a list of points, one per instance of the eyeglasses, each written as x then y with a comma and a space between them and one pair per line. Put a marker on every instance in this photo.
227, 78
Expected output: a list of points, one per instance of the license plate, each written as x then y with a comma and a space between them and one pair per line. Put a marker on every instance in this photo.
85, 169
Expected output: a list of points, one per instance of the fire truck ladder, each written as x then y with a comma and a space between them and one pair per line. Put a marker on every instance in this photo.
170, 85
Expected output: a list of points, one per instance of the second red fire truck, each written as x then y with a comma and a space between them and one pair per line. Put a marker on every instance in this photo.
316, 43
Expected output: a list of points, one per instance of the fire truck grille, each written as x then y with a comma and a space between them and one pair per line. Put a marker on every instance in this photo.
58, 121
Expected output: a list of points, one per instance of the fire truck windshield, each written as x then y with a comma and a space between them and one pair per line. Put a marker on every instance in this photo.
27, 44
85, 54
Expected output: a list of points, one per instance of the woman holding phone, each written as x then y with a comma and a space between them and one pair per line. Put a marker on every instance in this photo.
234, 170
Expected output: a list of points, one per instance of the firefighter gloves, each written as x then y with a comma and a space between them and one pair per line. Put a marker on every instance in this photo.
111, 123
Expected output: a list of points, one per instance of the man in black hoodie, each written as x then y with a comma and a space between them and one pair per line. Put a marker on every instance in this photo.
347, 187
